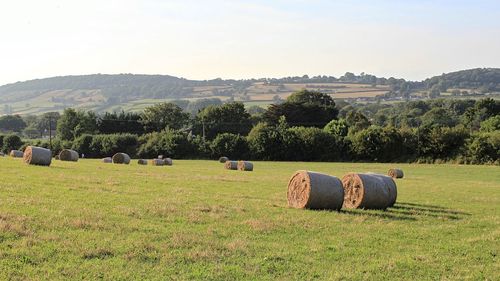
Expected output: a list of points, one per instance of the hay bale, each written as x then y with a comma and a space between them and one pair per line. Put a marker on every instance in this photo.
313, 190
157, 162
167, 162
107, 160
245, 166
2, 154
223, 159
369, 191
142, 162
34, 155
396, 173
68, 155
121, 158
16, 154
231, 165
160, 156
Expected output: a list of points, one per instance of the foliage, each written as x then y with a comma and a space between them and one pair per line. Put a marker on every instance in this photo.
162, 116
169, 142
11, 142
13, 123
230, 145
226, 118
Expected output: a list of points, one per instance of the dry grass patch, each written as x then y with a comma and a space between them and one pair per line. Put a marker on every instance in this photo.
16, 225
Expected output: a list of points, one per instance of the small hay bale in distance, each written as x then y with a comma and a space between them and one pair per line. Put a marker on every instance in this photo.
396, 173
231, 165
223, 159
107, 160
121, 158
369, 191
68, 155
168, 162
245, 166
311, 190
34, 155
142, 162
16, 154
157, 162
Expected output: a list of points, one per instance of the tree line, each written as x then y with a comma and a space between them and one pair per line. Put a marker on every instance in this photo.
308, 126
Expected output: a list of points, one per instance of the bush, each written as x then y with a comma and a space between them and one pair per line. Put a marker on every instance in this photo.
377, 144
269, 142
11, 142
106, 145
314, 144
485, 148
441, 142
169, 142
230, 145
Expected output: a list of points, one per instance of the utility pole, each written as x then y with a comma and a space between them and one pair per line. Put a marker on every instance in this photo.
50, 131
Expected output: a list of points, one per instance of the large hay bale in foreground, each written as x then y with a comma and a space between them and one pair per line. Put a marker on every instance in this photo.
168, 162
313, 190
245, 166
396, 173
121, 158
68, 155
34, 155
223, 159
107, 160
157, 162
16, 154
231, 165
369, 191
142, 162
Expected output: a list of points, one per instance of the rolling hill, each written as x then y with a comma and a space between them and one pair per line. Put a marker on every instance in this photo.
104, 92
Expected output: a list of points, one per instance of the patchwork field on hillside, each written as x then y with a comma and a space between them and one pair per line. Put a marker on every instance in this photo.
195, 220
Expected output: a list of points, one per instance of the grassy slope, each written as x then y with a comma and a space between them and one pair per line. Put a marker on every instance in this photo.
194, 220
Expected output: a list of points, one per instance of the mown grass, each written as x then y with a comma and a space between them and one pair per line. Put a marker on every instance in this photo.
194, 220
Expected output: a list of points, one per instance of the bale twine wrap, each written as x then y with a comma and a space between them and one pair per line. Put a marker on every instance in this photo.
396, 173
231, 165
107, 160
245, 166
167, 162
121, 158
142, 162
223, 159
34, 155
16, 154
157, 162
313, 190
369, 191
68, 155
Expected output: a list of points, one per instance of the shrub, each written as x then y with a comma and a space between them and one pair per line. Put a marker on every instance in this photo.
230, 145
485, 148
11, 142
168, 142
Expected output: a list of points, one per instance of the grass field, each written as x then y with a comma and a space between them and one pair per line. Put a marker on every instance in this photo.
194, 220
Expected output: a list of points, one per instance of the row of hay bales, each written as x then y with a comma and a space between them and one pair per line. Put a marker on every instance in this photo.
238, 165
156, 162
312, 190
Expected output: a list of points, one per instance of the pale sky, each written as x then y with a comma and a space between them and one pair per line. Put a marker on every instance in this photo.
246, 39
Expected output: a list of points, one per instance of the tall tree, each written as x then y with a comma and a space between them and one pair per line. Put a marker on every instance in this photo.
163, 115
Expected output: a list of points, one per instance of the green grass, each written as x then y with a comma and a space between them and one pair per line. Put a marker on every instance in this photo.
195, 220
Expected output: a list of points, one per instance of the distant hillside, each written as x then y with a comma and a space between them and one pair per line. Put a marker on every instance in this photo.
103, 92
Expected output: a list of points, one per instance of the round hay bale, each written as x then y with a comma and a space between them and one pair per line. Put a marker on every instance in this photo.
157, 162
34, 155
231, 165
369, 191
313, 190
245, 166
121, 158
16, 154
142, 162
68, 155
223, 159
107, 160
160, 156
167, 162
396, 173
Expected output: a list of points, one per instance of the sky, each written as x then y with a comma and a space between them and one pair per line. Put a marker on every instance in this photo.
246, 39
